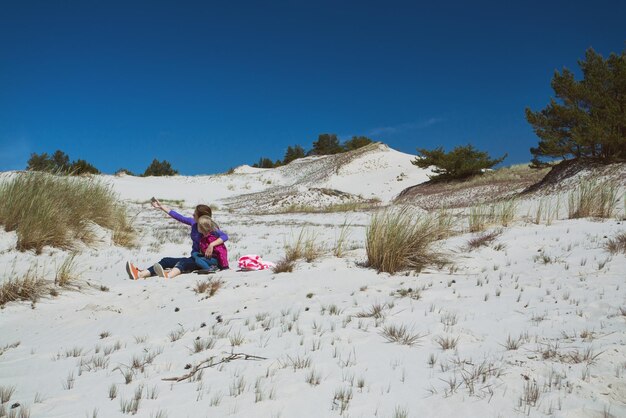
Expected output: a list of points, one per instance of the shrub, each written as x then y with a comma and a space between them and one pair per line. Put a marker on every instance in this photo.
462, 162
160, 168
46, 209
397, 239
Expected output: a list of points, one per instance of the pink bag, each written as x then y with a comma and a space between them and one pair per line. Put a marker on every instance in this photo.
254, 262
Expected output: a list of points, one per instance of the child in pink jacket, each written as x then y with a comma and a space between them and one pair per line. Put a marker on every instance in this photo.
211, 256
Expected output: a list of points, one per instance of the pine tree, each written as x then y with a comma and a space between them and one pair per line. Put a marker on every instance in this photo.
460, 163
293, 153
160, 168
588, 117
266, 163
356, 142
79, 167
326, 144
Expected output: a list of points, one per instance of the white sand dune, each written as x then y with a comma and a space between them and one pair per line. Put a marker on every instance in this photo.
553, 289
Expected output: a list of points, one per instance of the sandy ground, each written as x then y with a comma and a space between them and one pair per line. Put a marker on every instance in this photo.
534, 324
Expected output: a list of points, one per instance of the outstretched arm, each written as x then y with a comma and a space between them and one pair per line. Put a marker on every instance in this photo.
180, 218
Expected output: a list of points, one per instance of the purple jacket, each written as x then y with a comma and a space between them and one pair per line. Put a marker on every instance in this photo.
195, 235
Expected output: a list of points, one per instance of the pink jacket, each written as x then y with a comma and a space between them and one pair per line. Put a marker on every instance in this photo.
219, 251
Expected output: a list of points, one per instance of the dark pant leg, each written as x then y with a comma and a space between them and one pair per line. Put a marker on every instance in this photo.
186, 265
166, 263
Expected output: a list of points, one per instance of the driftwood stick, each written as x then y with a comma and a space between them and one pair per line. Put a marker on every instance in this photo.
209, 363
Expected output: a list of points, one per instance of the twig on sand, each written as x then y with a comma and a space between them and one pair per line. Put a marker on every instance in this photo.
210, 363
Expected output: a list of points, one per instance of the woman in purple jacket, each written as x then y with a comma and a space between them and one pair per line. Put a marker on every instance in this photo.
181, 264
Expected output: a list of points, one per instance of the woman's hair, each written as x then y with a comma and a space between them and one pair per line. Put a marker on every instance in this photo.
204, 210
206, 225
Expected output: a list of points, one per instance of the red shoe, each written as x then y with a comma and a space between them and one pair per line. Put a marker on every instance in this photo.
133, 272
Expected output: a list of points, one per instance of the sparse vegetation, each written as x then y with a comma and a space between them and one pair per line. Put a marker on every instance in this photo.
66, 274
593, 199
46, 209
208, 287
617, 244
400, 239
5, 393
30, 287
447, 342
340, 243
400, 335
284, 266
483, 239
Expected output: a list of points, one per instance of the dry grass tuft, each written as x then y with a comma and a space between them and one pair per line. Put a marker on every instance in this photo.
593, 199
208, 287
5, 393
483, 239
305, 246
30, 287
340, 244
400, 335
66, 275
47, 209
284, 266
399, 239
447, 343
617, 244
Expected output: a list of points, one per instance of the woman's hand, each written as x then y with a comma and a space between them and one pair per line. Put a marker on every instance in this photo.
157, 205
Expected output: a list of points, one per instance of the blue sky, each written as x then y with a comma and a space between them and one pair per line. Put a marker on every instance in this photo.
212, 85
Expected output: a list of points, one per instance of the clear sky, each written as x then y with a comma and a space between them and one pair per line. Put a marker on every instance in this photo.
212, 85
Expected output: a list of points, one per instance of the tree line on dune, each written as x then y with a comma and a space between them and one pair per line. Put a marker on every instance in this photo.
586, 120
326, 144
59, 163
